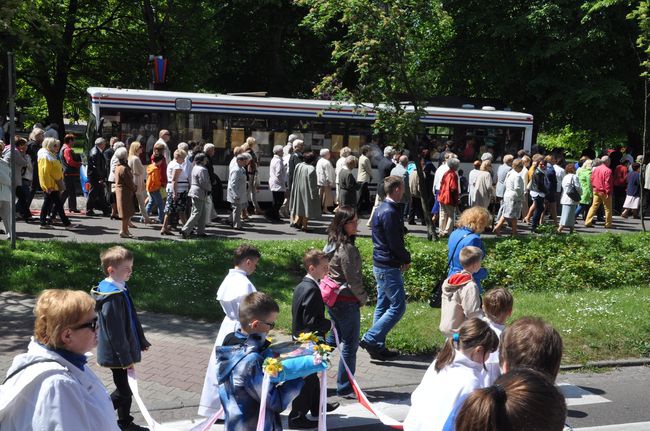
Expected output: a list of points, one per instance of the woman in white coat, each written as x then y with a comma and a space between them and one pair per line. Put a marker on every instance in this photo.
232, 291
5, 193
513, 197
51, 386
483, 191
569, 182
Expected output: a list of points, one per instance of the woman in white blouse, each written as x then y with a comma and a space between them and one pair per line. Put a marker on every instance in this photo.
513, 197
570, 182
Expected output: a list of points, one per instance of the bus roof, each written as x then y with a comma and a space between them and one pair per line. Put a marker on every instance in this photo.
276, 106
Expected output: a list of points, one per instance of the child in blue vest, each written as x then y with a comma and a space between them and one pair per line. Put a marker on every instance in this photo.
120, 336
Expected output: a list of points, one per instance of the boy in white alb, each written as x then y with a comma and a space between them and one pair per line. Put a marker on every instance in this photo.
456, 372
497, 306
233, 289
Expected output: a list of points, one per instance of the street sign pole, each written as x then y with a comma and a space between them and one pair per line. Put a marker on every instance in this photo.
11, 72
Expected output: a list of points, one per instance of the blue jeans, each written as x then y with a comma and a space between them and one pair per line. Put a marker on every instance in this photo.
539, 209
391, 305
347, 320
156, 198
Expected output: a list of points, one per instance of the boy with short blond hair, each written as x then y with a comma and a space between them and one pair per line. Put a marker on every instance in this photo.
240, 373
120, 336
461, 297
497, 306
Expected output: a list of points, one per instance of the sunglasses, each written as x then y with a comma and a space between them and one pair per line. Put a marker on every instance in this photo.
270, 325
92, 325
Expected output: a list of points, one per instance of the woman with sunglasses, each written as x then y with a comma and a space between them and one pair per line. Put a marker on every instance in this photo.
51, 386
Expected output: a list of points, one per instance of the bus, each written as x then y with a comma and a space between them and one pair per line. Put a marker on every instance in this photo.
227, 120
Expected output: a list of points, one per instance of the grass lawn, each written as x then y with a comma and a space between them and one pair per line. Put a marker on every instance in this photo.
182, 278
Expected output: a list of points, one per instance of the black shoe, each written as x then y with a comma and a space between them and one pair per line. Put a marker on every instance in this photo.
373, 351
90, 213
302, 423
332, 406
76, 211
389, 354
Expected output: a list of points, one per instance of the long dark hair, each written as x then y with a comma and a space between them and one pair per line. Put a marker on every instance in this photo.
336, 233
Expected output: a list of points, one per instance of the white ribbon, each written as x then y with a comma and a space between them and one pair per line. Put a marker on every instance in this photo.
133, 384
207, 424
322, 408
266, 384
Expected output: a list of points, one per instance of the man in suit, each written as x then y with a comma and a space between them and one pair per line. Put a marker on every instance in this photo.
96, 177
308, 315
385, 166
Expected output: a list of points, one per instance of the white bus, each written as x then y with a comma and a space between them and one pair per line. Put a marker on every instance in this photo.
227, 120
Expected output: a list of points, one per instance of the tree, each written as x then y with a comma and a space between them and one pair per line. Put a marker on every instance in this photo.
551, 58
387, 54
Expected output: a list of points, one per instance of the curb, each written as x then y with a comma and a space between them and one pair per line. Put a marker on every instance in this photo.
607, 364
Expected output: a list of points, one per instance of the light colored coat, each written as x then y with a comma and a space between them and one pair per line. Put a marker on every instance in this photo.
49, 396
439, 392
566, 181
305, 197
325, 172
5, 182
483, 190
277, 174
237, 186
201, 184
364, 175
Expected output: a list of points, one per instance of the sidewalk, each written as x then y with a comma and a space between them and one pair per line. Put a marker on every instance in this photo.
172, 371
102, 229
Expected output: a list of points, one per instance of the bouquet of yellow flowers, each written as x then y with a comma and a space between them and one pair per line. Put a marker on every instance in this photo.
289, 361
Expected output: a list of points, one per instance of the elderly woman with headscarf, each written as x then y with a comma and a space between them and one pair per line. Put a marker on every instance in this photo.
305, 199
124, 191
325, 175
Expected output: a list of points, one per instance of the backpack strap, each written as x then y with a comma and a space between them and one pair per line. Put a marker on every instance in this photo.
21, 368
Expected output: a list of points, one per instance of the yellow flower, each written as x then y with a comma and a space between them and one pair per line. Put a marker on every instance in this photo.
272, 366
306, 337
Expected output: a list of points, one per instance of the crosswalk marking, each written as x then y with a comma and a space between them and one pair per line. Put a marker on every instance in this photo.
354, 415
577, 396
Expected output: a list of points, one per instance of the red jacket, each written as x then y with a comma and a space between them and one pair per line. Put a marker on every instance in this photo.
449, 190
620, 176
601, 179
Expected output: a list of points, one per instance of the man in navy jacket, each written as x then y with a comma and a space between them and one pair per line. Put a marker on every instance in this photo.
389, 259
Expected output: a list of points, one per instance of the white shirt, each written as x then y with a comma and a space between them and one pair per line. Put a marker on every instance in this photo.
340, 164
325, 172
166, 152
277, 174
232, 291
471, 179
492, 364
438, 393
182, 182
568, 179
437, 178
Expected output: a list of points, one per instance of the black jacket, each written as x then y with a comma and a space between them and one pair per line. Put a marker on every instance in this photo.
96, 165
388, 237
120, 336
384, 167
308, 309
295, 158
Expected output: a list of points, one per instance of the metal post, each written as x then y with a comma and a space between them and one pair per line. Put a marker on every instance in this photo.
11, 74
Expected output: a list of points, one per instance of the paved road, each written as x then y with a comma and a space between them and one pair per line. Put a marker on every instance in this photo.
172, 371
102, 229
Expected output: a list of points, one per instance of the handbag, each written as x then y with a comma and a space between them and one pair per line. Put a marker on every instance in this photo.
435, 300
329, 290
572, 192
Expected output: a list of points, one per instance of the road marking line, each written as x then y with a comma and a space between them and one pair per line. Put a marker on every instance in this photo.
577, 396
635, 426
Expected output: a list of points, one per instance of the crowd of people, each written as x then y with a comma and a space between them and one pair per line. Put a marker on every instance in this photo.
488, 376
182, 191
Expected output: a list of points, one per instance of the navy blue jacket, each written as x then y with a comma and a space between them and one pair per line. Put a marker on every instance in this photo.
120, 339
388, 237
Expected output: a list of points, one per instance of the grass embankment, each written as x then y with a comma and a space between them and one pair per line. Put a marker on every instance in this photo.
594, 290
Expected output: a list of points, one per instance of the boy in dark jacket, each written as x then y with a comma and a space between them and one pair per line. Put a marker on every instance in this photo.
308, 312
120, 336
